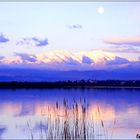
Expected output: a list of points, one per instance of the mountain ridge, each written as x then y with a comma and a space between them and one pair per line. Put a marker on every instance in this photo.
64, 60
32, 75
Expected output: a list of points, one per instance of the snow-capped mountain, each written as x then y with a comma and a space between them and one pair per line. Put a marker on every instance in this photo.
64, 65
64, 60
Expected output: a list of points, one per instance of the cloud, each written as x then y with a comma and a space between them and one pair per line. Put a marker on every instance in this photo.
26, 57
34, 41
123, 49
40, 42
24, 41
74, 26
124, 41
3, 39
117, 61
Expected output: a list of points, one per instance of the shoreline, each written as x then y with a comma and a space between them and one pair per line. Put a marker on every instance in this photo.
108, 84
69, 87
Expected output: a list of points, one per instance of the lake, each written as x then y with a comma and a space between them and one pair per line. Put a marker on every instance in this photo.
69, 113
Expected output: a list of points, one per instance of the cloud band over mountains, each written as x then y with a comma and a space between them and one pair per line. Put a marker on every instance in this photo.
125, 41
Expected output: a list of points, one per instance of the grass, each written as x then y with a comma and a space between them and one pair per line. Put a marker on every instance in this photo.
70, 122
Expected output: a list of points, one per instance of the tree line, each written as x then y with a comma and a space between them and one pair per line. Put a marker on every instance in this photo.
72, 84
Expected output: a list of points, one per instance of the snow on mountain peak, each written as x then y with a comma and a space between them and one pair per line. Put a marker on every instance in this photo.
96, 59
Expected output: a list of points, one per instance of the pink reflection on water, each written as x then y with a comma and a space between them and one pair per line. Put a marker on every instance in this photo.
16, 115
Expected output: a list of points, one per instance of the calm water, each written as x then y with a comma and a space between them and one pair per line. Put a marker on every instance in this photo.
23, 112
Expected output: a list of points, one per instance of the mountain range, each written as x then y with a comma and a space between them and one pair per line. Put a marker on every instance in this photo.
63, 65
64, 60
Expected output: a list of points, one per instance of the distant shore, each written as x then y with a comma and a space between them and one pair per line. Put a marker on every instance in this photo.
81, 84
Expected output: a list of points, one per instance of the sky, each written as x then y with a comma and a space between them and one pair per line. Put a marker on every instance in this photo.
72, 32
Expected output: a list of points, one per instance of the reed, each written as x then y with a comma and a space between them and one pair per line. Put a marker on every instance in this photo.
70, 121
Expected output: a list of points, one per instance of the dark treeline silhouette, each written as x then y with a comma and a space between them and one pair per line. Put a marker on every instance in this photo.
73, 84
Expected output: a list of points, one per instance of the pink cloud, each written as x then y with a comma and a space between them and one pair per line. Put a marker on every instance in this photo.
129, 41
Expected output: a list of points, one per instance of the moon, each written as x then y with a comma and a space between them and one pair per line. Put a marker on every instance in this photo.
101, 10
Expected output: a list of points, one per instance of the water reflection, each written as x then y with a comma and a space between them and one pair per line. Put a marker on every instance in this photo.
111, 113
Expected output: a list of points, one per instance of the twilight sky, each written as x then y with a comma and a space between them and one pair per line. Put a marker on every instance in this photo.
90, 34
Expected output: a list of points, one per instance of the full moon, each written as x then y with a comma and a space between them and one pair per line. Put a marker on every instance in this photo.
100, 10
